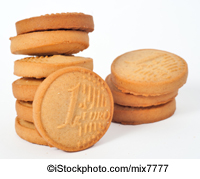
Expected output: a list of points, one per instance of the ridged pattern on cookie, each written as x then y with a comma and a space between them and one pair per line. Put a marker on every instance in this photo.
83, 110
67, 21
142, 115
149, 72
42, 66
50, 42
27, 131
127, 99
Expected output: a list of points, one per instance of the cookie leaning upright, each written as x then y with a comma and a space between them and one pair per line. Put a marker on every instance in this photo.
64, 33
73, 108
149, 72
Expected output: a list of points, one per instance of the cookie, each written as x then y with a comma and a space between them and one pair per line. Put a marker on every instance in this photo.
26, 130
127, 99
67, 21
142, 115
50, 42
24, 110
149, 72
42, 66
25, 88
73, 108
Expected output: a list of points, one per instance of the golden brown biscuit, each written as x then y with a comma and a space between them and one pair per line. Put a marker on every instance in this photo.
24, 88
24, 110
126, 99
149, 72
26, 130
141, 115
50, 42
73, 108
75, 21
42, 66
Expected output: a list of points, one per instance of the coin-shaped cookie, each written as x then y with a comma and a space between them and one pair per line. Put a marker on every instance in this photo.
149, 72
73, 108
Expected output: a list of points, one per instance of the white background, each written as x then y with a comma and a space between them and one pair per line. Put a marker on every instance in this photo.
120, 26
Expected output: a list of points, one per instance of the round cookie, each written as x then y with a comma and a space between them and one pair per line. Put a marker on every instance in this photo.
149, 72
127, 99
26, 130
73, 108
24, 110
50, 42
141, 115
25, 88
42, 66
67, 21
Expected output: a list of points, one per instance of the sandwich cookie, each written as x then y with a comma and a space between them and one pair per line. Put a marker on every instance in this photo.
149, 72
142, 115
127, 99
42, 66
26, 130
73, 108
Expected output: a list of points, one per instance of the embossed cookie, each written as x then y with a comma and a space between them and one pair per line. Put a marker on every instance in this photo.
26, 130
127, 99
149, 72
25, 88
142, 115
73, 108
24, 110
50, 42
43, 66
67, 21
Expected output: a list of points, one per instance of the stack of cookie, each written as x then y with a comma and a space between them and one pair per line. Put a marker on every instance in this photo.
51, 40
144, 84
